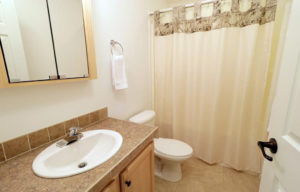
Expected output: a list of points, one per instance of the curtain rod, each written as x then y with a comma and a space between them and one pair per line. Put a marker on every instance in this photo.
186, 6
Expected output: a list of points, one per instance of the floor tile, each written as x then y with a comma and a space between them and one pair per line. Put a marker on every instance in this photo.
198, 176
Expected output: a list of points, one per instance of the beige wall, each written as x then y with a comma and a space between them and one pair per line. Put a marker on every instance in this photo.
174, 3
27, 109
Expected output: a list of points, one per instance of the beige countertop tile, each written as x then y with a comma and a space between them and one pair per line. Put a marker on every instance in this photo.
17, 174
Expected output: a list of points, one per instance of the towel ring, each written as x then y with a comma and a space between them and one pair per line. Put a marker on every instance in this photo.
113, 43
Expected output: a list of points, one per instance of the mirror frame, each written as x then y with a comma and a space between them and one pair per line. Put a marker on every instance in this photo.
90, 46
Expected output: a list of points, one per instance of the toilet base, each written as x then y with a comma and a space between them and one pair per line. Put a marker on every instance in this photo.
168, 170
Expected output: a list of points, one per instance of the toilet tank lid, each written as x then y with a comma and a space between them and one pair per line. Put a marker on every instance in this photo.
172, 147
143, 117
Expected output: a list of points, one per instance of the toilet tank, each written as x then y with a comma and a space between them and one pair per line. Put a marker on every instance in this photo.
146, 117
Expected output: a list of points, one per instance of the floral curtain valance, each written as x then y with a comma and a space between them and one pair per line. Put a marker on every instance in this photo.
233, 18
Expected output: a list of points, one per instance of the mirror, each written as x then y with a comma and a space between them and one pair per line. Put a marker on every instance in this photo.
69, 37
43, 40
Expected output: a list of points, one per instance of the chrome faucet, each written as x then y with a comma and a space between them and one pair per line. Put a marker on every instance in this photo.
74, 132
73, 136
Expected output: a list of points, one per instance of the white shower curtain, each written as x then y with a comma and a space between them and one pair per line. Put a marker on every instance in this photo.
209, 88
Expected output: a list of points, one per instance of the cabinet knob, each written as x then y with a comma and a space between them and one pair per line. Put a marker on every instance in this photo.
128, 183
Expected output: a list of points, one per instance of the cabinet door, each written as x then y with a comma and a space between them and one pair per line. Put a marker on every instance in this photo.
139, 175
114, 186
69, 38
26, 40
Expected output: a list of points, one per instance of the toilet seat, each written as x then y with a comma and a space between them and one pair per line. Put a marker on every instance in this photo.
172, 149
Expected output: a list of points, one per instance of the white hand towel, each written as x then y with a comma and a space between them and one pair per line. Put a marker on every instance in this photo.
119, 72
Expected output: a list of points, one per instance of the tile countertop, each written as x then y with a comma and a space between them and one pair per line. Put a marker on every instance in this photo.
17, 174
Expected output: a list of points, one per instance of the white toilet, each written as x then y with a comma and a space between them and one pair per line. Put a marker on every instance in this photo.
169, 153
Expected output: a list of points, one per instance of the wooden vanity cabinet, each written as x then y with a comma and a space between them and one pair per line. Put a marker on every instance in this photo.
138, 176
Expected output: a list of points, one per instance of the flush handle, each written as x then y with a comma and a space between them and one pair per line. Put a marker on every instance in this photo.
272, 145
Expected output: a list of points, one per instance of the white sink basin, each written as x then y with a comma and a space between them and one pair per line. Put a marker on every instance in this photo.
93, 149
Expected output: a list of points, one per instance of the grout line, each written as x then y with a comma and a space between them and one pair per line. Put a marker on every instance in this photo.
48, 134
5, 158
28, 142
65, 127
77, 121
90, 119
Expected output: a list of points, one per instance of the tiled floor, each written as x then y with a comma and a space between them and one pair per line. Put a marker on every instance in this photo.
198, 176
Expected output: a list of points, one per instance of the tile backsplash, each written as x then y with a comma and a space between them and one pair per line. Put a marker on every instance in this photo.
26, 143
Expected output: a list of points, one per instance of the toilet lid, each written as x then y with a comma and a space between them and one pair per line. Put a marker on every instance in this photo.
172, 147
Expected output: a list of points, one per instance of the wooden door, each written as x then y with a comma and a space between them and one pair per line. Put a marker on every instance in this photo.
114, 186
139, 175
282, 172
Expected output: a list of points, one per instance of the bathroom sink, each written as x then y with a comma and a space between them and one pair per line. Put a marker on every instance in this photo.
93, 149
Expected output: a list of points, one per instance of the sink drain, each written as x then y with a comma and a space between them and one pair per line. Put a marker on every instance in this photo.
82, 165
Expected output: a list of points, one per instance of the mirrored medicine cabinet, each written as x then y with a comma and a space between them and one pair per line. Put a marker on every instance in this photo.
45, 41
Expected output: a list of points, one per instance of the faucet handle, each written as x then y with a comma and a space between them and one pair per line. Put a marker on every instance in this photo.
74, 131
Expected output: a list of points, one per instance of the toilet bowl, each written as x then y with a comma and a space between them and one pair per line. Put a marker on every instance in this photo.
169, 153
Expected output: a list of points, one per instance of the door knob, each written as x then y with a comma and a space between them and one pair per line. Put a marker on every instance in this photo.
128, 183
272, 145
